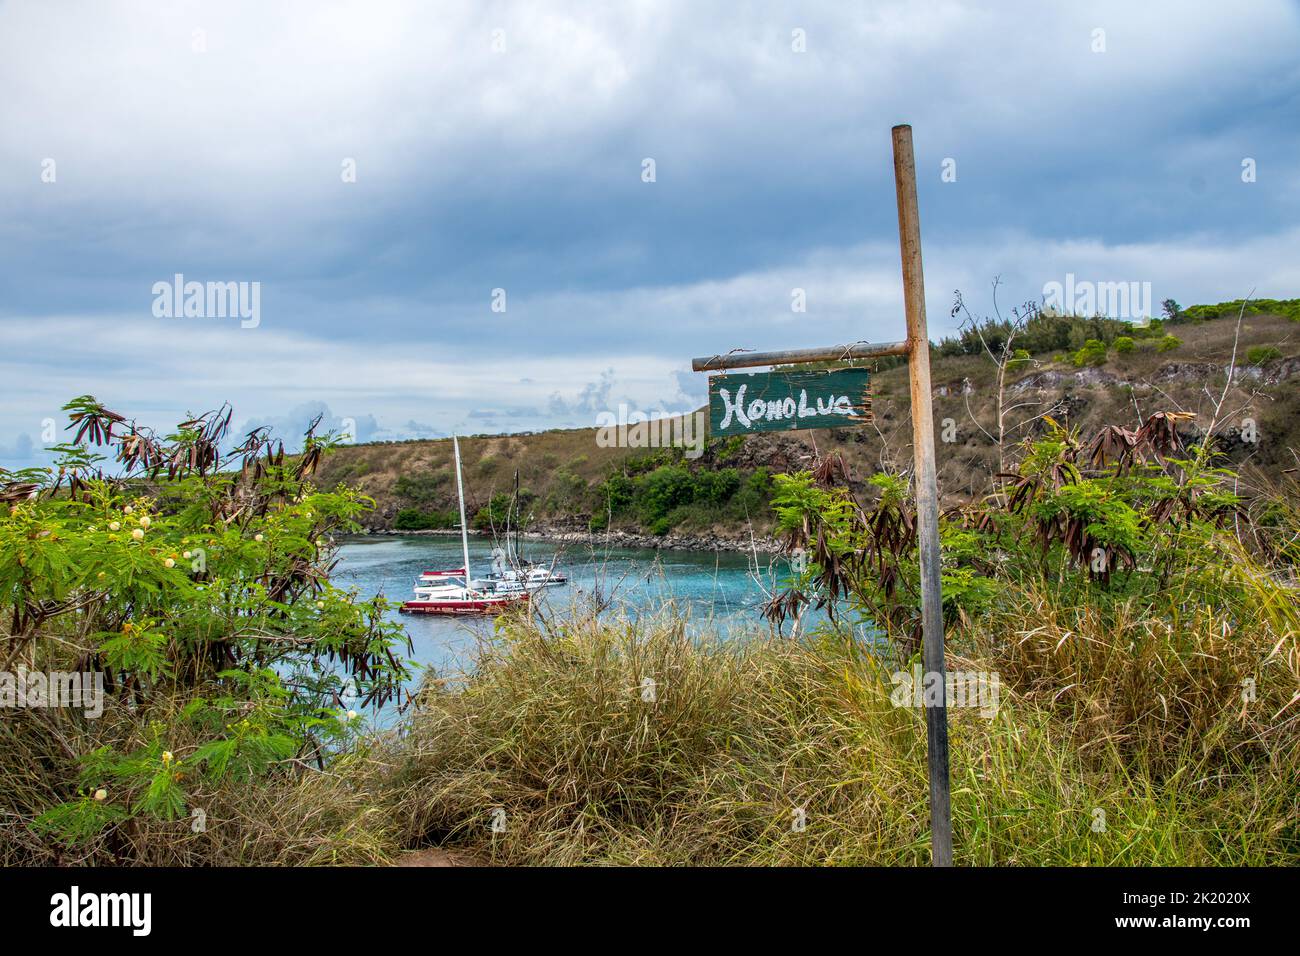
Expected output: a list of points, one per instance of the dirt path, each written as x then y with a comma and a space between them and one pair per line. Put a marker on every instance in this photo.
437, 856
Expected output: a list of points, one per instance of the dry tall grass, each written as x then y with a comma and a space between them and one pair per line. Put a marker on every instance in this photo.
551, 738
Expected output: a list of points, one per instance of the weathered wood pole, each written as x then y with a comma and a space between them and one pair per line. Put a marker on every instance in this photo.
833, 353
927, 493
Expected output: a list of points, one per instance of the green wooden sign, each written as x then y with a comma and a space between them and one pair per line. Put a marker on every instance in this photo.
740, 404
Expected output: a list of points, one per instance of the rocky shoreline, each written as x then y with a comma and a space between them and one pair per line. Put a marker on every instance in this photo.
672, 541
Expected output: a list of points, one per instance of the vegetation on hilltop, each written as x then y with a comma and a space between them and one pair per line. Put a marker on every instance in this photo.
1287, 308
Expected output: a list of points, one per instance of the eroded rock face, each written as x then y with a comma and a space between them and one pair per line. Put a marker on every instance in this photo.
1269, 374
964, 387
1097, 376
774, 451
1187, 371
1279, 371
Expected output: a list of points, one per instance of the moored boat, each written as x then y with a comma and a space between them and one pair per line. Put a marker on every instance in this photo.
533, 577
456, 592
458, 599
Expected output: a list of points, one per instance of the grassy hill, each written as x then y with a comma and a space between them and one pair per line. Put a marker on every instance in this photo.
569, 482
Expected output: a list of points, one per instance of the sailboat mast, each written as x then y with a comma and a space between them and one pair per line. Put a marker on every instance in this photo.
460, 493
518, 558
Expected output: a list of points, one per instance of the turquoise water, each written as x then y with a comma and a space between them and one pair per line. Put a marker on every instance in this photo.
716, 590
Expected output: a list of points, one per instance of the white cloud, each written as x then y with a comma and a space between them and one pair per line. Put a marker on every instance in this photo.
157, 370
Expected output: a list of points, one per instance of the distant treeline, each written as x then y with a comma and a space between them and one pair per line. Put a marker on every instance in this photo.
1049, 332
1288, 308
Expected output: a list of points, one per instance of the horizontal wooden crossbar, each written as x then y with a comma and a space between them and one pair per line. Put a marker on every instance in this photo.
830, 353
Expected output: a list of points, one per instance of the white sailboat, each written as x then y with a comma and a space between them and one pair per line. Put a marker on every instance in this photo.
510, 572
456, 592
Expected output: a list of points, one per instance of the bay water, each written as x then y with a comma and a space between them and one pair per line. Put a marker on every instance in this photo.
718, 591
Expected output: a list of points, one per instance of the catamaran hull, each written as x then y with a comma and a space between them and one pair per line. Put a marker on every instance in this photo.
486, 606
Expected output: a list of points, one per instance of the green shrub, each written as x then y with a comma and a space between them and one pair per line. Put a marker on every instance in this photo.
495, 514
716, 487
1124, 345
664, 489
616, 494
413, 519
1093, 353
1260, 354
1019, 359
422, 488
753, 496
1169, 343
673, 493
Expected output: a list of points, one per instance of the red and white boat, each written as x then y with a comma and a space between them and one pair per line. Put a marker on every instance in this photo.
452, 597
456, 592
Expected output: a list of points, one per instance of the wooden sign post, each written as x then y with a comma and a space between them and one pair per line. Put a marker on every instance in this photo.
802, 400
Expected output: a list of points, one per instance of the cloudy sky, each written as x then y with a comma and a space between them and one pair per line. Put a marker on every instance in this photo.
380, 168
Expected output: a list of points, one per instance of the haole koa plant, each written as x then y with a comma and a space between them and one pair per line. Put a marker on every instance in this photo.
1132, 502
189, 574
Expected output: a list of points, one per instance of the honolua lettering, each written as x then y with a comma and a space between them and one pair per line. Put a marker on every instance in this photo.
778, 409
778, 401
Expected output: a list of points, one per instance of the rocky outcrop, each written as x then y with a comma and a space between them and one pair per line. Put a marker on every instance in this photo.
672, 541
1269, 374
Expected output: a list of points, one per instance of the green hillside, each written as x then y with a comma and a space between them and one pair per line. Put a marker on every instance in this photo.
1092, 372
